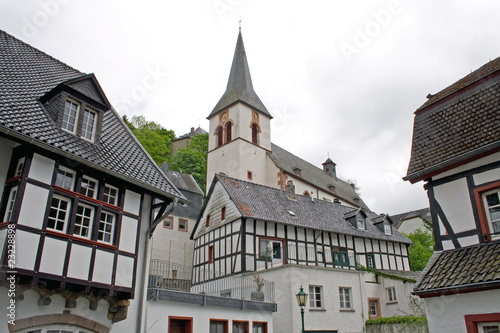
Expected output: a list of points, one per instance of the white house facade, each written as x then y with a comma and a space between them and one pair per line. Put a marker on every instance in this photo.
455, 150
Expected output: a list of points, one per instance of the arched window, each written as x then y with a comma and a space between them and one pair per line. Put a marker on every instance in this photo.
228, 131
218, 132
255, 131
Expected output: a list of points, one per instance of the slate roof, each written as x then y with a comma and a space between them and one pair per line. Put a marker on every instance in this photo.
26, 75
313, 175
270, 204
183, 181
424, 213
239, 85
193, 133
458, 123
464, 269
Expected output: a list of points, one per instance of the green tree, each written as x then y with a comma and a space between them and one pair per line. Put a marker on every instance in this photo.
154, 138
422, 249
193, 160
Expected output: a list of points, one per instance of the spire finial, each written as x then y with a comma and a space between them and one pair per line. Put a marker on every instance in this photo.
240, 23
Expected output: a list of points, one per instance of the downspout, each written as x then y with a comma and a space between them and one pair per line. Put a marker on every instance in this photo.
362, 301
145, 281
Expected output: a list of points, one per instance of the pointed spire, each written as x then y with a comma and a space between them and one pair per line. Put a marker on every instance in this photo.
239, 85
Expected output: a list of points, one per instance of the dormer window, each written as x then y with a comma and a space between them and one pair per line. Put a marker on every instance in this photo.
297, 171
70, 116
361, 224
331, 188
89, 125
387, 229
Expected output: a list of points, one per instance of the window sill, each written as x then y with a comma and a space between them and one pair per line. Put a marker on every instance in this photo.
347, 310
318, 310
393, 302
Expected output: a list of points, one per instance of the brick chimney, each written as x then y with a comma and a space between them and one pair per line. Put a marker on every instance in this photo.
290, 190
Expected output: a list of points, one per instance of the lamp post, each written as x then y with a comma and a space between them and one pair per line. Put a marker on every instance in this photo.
302, 300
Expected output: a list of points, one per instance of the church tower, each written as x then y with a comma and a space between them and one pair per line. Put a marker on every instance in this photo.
240, 131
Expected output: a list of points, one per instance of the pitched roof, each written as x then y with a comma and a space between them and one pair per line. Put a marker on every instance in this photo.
314, 175
458, 123
270, 204
239, 85
424, 213
464, 269
193, 133
26, 75
183, 181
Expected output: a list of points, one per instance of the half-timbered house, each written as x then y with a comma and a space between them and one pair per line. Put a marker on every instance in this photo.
77, 201
456, 152
246, 228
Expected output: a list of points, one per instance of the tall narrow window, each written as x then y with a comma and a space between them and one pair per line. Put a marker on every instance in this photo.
20, 166
220, 140
391, 295
374, 308
65, 178
70, 117
229, 127
88, 187
492, 205
58, 215
211, 254
88, 126
183, 225
223, 213
370, 260
106, 226
207, 223
10, 204
387, 229
345, 298
83, 221
315, 297
255, 132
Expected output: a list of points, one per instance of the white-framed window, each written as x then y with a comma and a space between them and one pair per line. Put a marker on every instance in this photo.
89, 124
387, 229
168, 222
345, 298
391, 295
493, 327
57, 329
83, 221
59, 213
65, 178
89, 187
361, 224
373, 307
183, 225
10, 204
70, 116
491, 201
270, 249
315, 297
110, 195
20, 166
370, 260
106, 227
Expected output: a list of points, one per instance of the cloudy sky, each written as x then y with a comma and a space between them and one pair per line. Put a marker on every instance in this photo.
341, 78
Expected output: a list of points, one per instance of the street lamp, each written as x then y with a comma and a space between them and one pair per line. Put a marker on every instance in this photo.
302, 300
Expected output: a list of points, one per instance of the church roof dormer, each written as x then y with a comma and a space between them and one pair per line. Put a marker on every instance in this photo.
239, 85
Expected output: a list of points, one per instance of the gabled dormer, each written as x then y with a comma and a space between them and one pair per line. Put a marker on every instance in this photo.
77, 107
357, 218
384, 223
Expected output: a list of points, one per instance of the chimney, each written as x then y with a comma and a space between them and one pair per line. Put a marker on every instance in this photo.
191, 134
290, 190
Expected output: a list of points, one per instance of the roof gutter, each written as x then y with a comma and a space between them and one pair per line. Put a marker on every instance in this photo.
458, 289
454, 162
51, 148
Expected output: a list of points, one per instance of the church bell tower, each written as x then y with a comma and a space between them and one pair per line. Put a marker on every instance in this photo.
239, 130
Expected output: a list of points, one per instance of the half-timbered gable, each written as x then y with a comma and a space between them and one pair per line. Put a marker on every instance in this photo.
456, 151
80, 197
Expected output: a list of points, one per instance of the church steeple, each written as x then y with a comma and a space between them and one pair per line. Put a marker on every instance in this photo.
239, 85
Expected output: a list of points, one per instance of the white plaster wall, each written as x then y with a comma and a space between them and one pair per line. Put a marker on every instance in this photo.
446, 314
455, 202
53, 255
5, 157
488, 176
26, 249
128, 234
41, 169
173, 245
79, 262
410, 225
29, 307
132, 202
477, 163
158, 313
33, 206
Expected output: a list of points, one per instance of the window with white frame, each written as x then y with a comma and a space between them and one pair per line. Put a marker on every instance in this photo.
270, 249
110, 195
345, 298
89, 187
492, 207
20, 166
373, 308
57, 329
370, 260
83, 221
493, 327
88, 126
387, 229
361, 224
168, 222
70, 116
58, 214
391, 295
315, 297
65, 178
10, 204
106, 227
183, 225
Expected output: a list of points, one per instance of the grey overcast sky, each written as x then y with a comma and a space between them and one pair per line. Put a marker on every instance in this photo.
341, 78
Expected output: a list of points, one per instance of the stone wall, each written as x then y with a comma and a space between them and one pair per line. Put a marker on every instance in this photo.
398, 328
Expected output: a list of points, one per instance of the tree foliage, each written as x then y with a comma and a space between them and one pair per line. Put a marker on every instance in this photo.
154, 138
193, 159
422, 249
